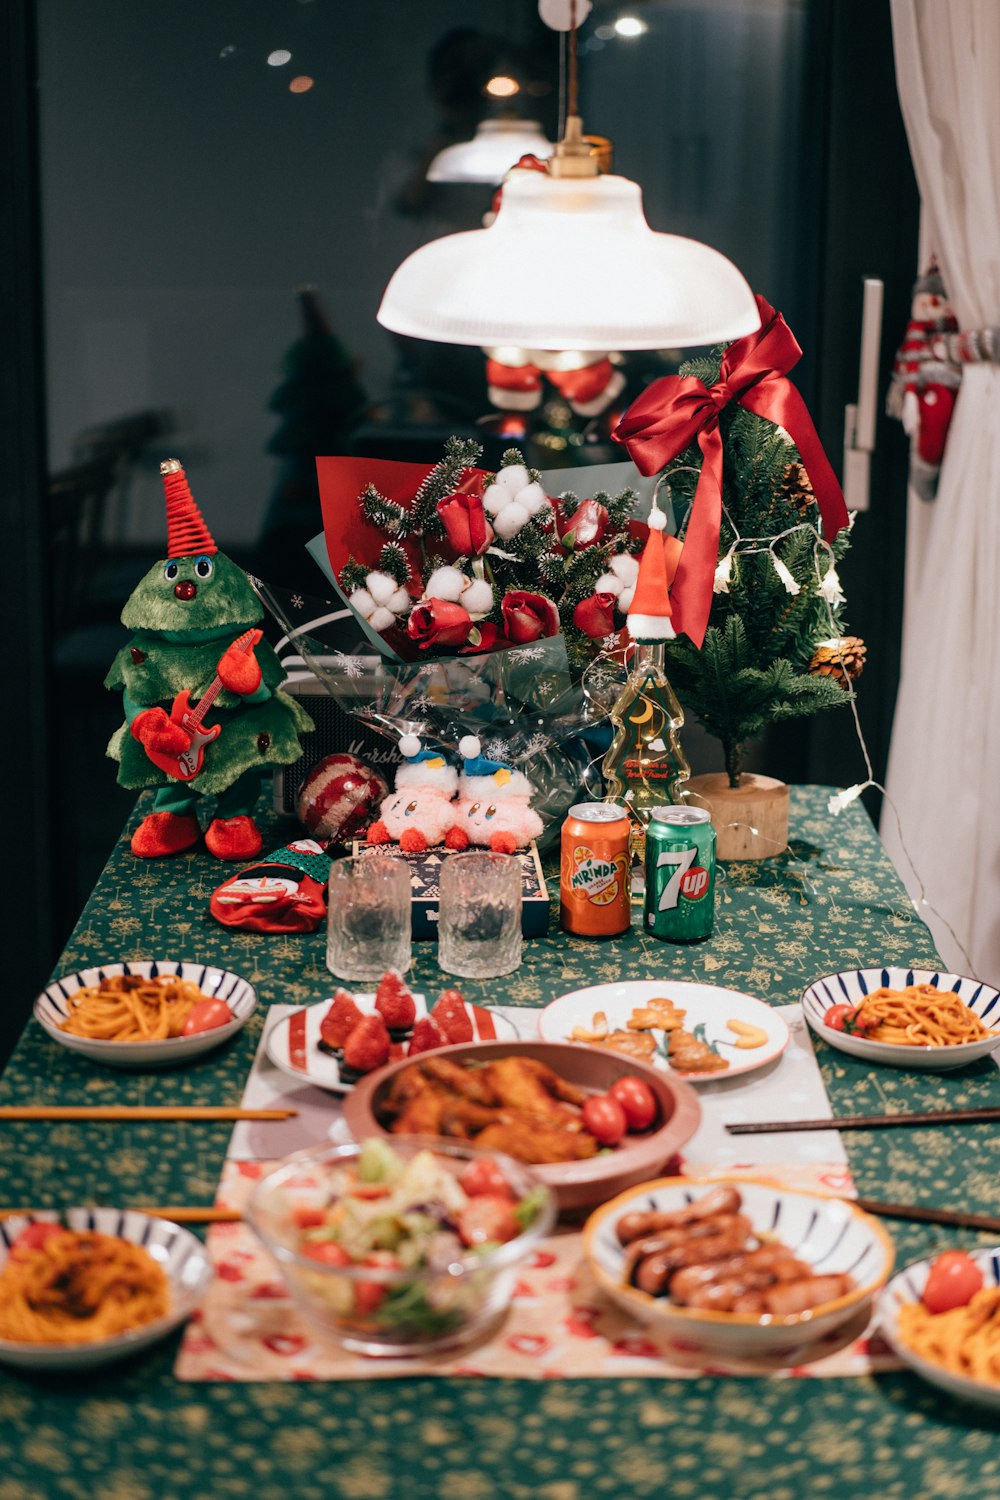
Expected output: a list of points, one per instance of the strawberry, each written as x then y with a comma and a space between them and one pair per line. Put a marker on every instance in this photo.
452, 1017
366, 1049
339, 1021
426, 1037
395, 1004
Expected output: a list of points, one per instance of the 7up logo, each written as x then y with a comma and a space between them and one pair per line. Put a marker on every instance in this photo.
688, 879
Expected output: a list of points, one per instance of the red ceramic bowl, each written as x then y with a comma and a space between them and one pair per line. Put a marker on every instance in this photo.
578, 1184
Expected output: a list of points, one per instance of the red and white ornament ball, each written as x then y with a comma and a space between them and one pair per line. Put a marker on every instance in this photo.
339, 798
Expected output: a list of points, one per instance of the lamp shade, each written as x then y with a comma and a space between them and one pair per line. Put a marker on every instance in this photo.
569, 263
496, 147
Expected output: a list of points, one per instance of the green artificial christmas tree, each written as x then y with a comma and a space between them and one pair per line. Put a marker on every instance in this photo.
775, 646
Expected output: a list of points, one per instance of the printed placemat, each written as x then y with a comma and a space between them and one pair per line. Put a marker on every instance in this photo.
559, 1324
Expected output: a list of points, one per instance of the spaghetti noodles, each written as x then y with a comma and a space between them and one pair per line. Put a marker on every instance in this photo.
965, 1340
77, 1288
918, 1016
131, 1008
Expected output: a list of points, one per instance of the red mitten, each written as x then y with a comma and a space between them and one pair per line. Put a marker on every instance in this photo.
240, 670
155, 730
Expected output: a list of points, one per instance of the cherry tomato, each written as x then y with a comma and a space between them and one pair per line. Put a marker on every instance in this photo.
205, 1015
848, 1018
327, 1251
483, 1176
953, 1281
604, 1117
305, 1217
33, 1237
637, 1100
369, 1294
486, 1218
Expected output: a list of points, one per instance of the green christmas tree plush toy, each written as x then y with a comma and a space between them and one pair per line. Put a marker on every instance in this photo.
204, 713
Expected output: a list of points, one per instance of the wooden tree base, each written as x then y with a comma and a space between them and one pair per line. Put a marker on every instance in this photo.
751, 820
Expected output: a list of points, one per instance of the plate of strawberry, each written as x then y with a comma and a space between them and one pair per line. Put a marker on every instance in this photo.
335, 1042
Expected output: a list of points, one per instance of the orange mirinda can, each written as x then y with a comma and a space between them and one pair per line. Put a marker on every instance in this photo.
594, 888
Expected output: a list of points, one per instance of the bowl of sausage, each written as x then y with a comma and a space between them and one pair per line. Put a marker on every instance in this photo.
738, 1266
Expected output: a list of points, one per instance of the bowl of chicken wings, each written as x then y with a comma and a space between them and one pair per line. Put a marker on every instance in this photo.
740, 1266
532, 1101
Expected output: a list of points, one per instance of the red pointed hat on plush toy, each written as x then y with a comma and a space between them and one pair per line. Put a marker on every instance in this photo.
187, 534
649, 613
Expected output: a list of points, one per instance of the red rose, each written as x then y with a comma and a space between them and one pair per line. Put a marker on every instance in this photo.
438, 622
586, 526
526, 617
464, 519
595, 616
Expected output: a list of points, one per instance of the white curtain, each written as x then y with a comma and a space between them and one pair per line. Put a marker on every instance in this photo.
944, 763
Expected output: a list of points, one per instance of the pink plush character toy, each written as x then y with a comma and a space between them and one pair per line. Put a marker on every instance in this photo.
420, 811
494, 804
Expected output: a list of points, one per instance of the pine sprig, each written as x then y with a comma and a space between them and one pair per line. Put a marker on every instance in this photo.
388, 515
392, 560
353, 575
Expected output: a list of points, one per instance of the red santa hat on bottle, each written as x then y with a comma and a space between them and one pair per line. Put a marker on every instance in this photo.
187, 534
648, 617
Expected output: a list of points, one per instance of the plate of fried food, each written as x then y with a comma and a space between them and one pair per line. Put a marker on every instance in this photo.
922, 1019
942, 1317
739, 1266
588, 1123
92, 1285
700, 1032
336, 1042
145, 1013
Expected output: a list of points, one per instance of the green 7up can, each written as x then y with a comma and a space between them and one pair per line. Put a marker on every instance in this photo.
680, 874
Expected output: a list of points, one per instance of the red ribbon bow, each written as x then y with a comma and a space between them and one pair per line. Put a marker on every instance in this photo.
674, 411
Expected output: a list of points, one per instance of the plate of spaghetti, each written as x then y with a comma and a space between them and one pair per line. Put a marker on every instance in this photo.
134, 1014
958, 1347
922, 1019
92, 1285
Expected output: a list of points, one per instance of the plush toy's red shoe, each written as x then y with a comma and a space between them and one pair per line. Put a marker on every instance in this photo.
233, 838
164, 833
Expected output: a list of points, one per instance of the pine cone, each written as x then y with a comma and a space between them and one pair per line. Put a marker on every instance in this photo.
842, 659
796, 489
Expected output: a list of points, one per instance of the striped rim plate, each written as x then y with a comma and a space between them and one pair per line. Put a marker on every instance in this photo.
831, 1234
182, 1256
906, 1287
852, 985
293, 1042
52, 1007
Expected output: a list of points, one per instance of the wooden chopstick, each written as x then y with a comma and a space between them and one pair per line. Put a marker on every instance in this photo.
139, 1112
958, 1218
217, 1215
870, 1122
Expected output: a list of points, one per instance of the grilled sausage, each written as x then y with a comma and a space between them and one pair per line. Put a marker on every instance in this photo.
719, 1200
798, 1296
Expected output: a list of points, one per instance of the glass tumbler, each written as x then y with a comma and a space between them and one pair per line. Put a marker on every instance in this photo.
479, 916
368, 926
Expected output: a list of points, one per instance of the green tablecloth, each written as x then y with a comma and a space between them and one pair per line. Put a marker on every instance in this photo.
133, 1433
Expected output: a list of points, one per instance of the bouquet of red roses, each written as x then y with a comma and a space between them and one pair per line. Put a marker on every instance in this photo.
457, 560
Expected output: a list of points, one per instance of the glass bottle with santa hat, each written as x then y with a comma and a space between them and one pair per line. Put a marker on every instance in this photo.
644, 766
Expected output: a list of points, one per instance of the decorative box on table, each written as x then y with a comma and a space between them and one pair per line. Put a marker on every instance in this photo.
424, 873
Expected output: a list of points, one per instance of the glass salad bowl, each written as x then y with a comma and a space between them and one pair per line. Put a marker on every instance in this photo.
400, 1249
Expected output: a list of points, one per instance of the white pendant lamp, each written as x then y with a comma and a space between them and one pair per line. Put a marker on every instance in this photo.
569, 262
496, 146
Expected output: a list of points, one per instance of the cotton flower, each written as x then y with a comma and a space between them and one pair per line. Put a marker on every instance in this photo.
381, 601
619, 580
512, 499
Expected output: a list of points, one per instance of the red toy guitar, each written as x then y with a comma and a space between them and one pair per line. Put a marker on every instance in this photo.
186, 764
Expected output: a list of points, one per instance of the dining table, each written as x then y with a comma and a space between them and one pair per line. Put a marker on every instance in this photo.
829, 902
